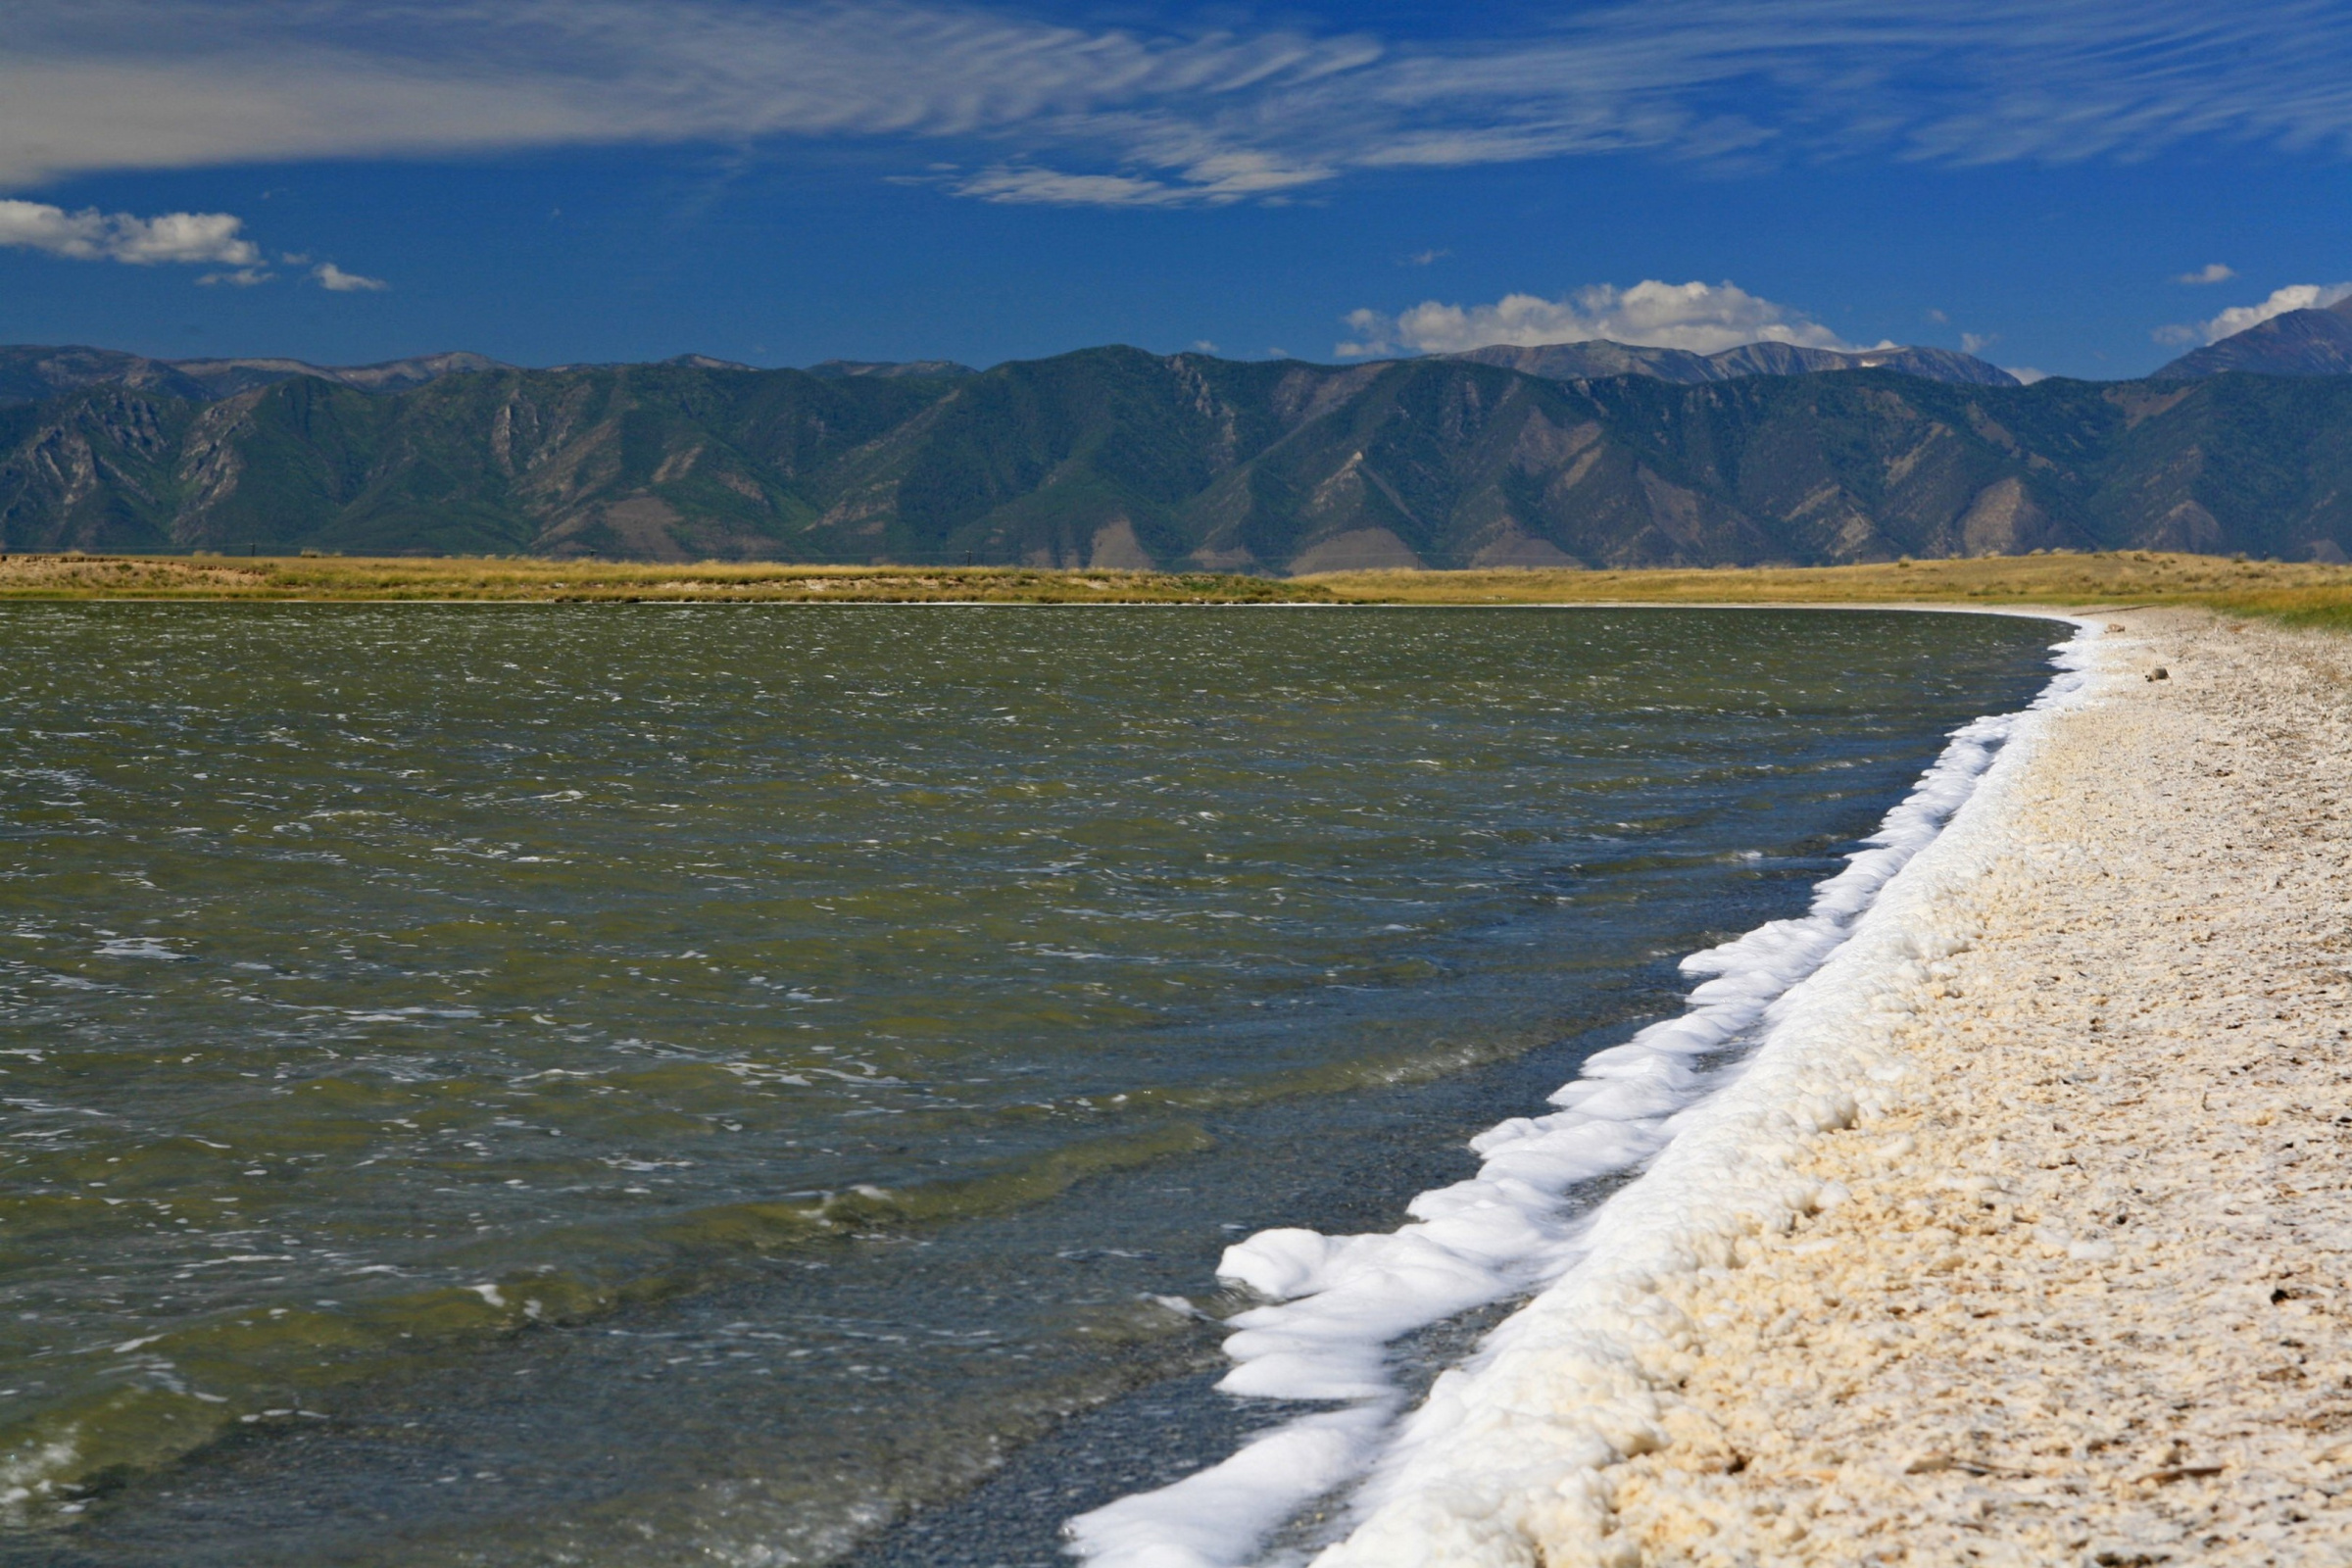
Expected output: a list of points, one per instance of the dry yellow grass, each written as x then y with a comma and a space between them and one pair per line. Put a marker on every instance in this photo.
2115, 578
442, 578
2320, 595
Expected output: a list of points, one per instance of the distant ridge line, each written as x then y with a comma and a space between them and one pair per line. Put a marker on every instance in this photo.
1597, 358
32, 374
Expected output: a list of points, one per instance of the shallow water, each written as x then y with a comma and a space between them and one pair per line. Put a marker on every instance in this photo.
649, 1084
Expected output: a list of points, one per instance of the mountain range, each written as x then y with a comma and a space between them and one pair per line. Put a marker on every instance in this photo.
31, 375
1118, 457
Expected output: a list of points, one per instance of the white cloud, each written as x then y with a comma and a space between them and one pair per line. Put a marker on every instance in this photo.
1137, 116
2239, 317
1976, 342
242, 277
97, 84
1215, 180
2210, 272
333, 278
1052, 188
90, 235
2026, 375
1703, 318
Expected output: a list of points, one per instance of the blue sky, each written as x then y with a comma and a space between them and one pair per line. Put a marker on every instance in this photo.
552, 180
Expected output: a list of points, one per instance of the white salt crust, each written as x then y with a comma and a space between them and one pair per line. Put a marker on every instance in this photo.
1506, 1451
2088, 1299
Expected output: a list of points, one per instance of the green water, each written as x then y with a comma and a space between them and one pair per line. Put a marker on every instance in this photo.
643, 1084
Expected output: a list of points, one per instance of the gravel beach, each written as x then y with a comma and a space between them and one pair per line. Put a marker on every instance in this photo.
2035, 1251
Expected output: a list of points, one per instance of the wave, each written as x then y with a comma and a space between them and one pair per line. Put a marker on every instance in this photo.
1656, 1103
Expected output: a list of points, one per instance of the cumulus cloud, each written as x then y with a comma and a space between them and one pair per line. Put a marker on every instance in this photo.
2236, 318
241, 277
90, 235
1976, 342
1135, 116
1703, 318
333, 278
2210, 272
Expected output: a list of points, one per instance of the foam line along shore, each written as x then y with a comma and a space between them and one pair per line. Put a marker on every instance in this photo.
2083, 1298
1705, 1101
2066, 1281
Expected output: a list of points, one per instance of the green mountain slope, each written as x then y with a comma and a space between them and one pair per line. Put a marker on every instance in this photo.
1118, 457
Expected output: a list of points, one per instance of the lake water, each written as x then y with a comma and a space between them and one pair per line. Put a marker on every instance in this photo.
649, 1084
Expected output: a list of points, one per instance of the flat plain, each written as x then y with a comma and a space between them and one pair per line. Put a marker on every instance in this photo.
2309, 594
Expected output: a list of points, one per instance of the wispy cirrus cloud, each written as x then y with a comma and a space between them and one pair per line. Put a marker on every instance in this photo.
1703, 318
1142, 117
101, 84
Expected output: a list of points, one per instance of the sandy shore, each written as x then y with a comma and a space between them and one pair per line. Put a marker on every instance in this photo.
2086, 1299
2063, 1279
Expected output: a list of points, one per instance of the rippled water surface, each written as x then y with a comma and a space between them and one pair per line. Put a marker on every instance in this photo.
653, 1085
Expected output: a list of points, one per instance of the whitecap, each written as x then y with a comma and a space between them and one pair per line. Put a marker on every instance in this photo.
139, 948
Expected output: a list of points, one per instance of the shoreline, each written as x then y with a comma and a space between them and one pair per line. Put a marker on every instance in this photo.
2020, 1240
1690, 1104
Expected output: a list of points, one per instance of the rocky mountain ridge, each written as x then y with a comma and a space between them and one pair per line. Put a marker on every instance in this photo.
1599, 357
31, 373
1118, 457
2313, 342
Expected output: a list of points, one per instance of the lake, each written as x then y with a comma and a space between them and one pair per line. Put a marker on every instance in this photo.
649, 1084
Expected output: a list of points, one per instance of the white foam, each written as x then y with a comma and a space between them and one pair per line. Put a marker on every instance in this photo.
1773, 1043
139, 948
1217, 1516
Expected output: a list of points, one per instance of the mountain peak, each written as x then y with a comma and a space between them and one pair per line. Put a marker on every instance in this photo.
2309, 342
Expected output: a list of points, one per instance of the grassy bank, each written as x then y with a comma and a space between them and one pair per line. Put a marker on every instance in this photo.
362, 578
2304, 594
2315, 594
